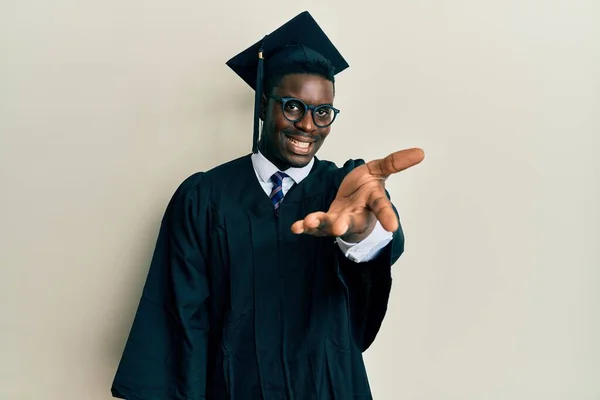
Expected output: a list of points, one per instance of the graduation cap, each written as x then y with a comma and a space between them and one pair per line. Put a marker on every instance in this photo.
299, 40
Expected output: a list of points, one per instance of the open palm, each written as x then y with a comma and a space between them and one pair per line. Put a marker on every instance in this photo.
361, 200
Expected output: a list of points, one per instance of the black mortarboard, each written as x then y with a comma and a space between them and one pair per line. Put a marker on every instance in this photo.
299, 40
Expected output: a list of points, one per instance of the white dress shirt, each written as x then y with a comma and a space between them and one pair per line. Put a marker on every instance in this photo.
365, 250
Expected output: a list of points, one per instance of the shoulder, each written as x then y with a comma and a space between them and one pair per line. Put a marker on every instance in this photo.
229, 169
326, 167
207, 182
326, 177
349, 164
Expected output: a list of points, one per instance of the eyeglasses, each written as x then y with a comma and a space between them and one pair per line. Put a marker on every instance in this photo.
294, 110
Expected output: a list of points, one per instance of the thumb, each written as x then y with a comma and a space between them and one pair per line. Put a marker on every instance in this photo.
396, 162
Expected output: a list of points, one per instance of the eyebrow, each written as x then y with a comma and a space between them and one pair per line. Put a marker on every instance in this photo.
306, 102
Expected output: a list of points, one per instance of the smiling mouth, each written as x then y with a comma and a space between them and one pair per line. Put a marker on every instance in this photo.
297, 143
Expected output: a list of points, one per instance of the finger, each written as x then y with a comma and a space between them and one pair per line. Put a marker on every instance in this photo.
314, 232
314, 221
396, 162
341, 225
298, 227
381, 206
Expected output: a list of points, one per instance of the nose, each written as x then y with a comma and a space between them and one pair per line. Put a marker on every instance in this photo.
306, 124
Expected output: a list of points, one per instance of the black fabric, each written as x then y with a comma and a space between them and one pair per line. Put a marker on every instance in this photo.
237, 307
299, 40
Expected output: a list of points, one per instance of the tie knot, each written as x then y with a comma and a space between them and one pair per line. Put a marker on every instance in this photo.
277, 178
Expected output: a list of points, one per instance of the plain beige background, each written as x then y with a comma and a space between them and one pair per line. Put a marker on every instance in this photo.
106, 106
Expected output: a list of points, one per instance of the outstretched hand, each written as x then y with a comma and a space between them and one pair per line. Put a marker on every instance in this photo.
361, 200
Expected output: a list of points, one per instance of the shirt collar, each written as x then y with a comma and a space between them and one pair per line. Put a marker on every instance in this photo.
265, 169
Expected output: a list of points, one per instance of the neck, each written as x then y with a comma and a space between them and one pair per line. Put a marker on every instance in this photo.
280, 164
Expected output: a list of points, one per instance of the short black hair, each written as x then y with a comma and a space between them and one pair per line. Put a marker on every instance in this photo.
320, 68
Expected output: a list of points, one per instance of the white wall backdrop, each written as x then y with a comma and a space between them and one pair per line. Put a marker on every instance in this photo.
106, 106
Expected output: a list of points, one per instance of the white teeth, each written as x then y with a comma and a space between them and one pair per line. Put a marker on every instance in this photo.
302, 145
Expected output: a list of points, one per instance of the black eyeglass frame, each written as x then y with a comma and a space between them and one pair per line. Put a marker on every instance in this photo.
307, 107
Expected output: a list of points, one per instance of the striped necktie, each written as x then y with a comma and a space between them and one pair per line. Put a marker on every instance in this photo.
277, 192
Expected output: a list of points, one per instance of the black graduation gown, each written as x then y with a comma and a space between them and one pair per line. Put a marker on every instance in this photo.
237, 307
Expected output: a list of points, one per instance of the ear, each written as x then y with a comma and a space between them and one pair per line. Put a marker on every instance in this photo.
263, 107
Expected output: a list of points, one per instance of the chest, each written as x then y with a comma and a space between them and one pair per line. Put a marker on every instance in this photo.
255, 258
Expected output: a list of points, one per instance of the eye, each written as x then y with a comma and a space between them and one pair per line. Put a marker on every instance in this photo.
324, 113
294, 106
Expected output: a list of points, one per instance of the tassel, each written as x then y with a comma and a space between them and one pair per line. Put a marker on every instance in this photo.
258, 97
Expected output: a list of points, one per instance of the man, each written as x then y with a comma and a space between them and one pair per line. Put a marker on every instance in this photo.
271, 273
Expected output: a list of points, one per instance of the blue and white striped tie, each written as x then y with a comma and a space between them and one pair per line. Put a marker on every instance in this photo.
277, 192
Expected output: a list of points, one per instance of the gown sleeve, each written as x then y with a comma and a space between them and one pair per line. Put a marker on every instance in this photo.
368, 284
165, 356
368, 287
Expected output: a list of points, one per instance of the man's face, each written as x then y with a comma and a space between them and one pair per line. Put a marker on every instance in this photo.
294, 144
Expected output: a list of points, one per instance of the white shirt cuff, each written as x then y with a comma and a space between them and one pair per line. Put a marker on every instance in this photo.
369, 248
